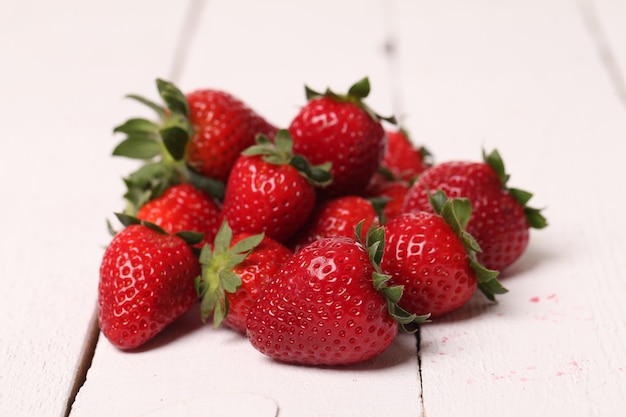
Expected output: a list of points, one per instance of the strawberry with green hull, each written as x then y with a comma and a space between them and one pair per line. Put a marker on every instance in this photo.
271, 189
500, 220
196, 139
342, 130
146, 282
337, 217
234, 271
183, 207
433, 257
329, 305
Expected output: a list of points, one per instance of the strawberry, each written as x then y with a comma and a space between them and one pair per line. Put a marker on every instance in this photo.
183, 207
329, 305
234, 271
146, 282
337, 217
271, 189
223, 127
391, 191
434, 258
402, 159
342, 130
501, 219
196, 140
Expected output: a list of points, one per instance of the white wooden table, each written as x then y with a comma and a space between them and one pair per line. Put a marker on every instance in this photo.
541, 80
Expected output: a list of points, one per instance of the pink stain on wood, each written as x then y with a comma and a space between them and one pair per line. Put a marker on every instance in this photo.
534, 299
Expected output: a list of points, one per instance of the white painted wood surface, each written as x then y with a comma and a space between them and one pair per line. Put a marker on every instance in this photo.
530, 78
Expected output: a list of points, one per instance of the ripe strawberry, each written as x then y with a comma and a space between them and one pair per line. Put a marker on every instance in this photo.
329, 305
342, 130
501, 219
392, 191
196, 140
271, 190
223, 127
434, 258
183, 208
337, 217
146, 282
402, 158
234, 271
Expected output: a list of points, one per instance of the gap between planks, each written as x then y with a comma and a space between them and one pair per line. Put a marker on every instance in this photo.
84, 362
603, 47
190, 24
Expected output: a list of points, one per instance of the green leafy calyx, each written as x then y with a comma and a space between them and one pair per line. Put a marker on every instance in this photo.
160, 146
356, 94
375, 246
280, 152
534, 217
218, 276
456, 212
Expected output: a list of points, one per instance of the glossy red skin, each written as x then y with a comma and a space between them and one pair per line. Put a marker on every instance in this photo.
146, 282
423, 254
337, 217
497, 223
183, 208
322, 309
259, 268
394, 190
402, 158
326, 130
265, 197
223, 127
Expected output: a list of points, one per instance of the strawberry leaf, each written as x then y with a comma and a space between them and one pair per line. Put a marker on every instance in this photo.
356, 94
456, 212
173, 97
360, 89
137, 125
137, 146
218, 276
159, 110
534, 217
192, 238
175, 140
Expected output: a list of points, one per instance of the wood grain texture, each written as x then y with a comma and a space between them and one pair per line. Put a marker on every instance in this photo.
265, 62
529, 78
525, 77
66, 66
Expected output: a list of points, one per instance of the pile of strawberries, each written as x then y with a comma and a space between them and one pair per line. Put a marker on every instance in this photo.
317, 242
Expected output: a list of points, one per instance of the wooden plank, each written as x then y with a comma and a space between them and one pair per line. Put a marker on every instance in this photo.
525, 77
265, 61
605, 22
66, 66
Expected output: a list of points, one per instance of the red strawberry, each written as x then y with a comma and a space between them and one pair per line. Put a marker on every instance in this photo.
342, 130
146, 282
392, 192
402, 158
501, 219
196, 140
234, 271
223, 127
183, 208
271, 190
434, 258
337, 217
328, 306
